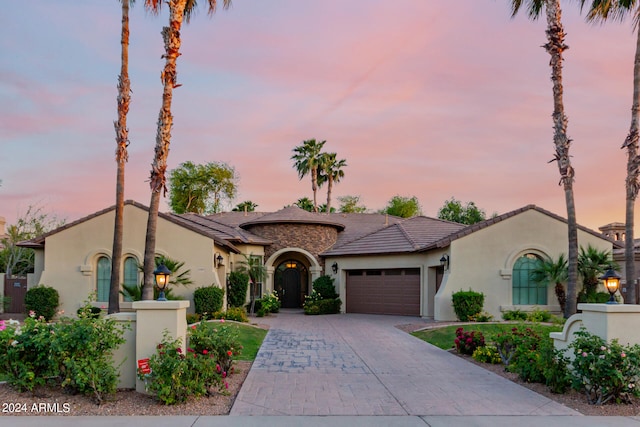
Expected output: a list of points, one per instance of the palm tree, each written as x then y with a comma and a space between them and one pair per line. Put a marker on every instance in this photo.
307, 159
592, 263
122, 141
600, 11
556, 272
246, 206
304, 203
257, 272
555, 47
178, 10
331, 172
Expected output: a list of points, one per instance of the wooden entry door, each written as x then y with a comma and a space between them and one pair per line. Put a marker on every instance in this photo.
15, 289
291, 288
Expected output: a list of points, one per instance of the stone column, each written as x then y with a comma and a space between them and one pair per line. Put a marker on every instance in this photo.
153, 318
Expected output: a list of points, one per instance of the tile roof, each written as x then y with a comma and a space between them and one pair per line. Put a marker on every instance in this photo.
294, 215
224, 231
408, 235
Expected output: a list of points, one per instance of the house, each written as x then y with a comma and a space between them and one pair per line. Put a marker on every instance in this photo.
381, 264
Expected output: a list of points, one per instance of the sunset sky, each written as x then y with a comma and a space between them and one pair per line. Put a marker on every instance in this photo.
422, 98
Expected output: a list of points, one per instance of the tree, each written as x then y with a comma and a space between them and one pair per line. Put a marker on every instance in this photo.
307, 158
601, 11
556, 272
305, 203
246, 206
257, 272
178, 277
350, 204
178, 10
592, 263
404, 207
452, 210
18, 261
331, 172
122, 156
201, 188
323, 208
555, 46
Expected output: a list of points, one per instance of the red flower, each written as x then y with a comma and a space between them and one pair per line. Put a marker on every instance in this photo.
229, 353
224, 374
190, 350
205, 351
218, 369
179, 350
193, 326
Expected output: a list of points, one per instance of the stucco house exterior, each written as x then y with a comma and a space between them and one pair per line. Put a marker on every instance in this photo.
381, 264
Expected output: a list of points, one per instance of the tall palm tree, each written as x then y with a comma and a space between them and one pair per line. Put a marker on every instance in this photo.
332, 173
253, 267
601, 11
555, 47
179, 10
307, 159
122, 141
556, 272
592, 263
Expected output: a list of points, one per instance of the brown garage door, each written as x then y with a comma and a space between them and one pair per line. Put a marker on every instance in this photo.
394, 291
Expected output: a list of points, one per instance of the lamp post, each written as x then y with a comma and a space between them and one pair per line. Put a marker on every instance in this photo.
162, 274
611, 283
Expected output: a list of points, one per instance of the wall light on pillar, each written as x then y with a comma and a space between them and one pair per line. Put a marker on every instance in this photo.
611, 281
162, 274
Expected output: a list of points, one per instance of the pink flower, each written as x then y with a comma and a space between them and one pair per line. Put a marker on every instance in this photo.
584, 354
193, 326
218, 369
623, 354
226, 384
205, 351
32, 313
3, 326
224, 374
222, 320
229, 353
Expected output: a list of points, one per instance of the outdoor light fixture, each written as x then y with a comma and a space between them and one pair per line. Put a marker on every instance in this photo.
162, 274
612, 283
444, 261
219, 260
334, 267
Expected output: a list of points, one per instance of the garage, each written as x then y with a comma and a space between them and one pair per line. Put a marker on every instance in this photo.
389, 291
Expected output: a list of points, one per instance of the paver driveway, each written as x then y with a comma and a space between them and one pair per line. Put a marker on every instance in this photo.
356, 364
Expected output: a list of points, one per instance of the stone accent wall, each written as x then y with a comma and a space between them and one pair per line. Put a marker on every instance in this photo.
310, 237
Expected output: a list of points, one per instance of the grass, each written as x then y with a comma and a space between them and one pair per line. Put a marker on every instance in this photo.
251, 339
444, 337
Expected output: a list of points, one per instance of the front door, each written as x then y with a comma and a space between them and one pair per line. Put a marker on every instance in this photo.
290, 297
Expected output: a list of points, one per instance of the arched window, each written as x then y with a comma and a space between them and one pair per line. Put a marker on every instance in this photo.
130, 275
525, 290
103, 279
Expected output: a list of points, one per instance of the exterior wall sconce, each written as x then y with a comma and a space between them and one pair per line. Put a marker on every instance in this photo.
611, 283
219, 261
444, 261
334, 268
162, 274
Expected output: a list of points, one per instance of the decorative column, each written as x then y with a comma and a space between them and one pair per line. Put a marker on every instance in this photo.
153, 319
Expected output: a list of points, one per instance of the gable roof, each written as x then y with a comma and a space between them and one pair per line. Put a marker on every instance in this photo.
446, 241
39, 242
408, 235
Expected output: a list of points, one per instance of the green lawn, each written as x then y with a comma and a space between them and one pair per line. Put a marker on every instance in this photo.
251, 339
444, 337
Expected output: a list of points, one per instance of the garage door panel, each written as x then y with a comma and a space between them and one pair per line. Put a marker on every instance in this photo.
394, 291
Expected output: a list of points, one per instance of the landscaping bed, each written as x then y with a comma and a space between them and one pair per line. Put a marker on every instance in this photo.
54, 401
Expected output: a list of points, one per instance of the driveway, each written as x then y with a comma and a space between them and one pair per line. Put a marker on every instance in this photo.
357, 364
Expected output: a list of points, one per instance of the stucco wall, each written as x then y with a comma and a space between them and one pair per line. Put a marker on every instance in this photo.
483, 261
71, 255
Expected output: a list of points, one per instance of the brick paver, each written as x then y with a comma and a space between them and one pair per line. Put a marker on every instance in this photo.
353, 364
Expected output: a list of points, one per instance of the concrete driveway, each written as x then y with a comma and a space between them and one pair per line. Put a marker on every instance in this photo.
356, 364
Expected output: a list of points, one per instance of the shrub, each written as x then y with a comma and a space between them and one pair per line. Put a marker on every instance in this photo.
605, 371
467, 304
237, 290
517, 315
467, 342
487, 354
482, 317
177, 376
217, 339
316, 304
193, 318
270, 303
43, 301
538, 315
237, 314
324, 286
208, 299
89, 311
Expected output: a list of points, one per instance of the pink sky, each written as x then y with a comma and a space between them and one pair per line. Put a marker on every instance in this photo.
422, 98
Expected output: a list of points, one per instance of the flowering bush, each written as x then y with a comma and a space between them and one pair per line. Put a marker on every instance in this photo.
605, 371
176, 375
217, 339
487, 354
270, 303
467, 342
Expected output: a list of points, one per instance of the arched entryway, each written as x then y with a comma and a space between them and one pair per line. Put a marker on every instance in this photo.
291, 283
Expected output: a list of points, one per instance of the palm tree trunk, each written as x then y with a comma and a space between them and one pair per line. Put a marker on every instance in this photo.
555, 47
314, 187
329, 188
633, 162
122, 141
171, 37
